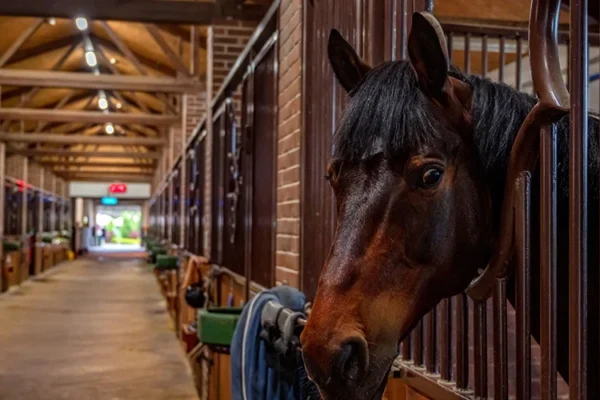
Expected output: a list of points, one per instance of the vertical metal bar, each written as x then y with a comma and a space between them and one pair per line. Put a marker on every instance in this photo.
462, 345
484, 55
500, 342
502, 59
2, 200
519, 62
480, 349
450, 46
578, 212
468, 53
523, 257
406, 347
446, 336
431, 342
403, 30
417, 339
548, 223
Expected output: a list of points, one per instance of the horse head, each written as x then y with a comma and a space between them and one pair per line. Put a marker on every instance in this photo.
413, 211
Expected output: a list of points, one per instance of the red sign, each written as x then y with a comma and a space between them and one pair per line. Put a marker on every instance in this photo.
118, 188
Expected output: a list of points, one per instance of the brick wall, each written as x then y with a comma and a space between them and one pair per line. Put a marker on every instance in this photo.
228, 41
14, 167
289, 135
195, 105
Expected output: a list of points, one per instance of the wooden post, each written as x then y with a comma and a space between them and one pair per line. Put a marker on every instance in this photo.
209, 135
54, 195
2, 204
24, 236
39, 251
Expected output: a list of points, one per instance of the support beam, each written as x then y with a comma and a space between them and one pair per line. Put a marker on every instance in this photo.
63, 172
84, 176
68, 163
154, 11
82, 80
96, 154
164, 46
33, 114
80, 139
16, 45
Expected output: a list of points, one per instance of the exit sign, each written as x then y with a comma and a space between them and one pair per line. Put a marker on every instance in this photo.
117, 188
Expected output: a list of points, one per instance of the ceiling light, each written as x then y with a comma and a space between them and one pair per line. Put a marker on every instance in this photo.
113, 60
90, 58
81, 23
109, 128
119, 105
52, 21
102, 103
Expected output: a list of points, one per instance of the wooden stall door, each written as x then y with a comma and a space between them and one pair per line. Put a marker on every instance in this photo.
260, 122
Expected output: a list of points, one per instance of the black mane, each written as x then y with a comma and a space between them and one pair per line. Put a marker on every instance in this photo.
388, 113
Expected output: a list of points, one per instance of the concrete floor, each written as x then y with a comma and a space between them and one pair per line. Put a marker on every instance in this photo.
91, 330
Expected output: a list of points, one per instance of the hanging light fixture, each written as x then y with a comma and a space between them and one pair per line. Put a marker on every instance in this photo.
52, 21
102, 103
81, 23
90, 58
109, 128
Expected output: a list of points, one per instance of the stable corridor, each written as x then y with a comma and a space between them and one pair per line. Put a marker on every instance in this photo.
95, 328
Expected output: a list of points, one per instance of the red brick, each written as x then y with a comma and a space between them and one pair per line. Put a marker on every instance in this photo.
288, 226
288, 176
287, 260
292, 278
289, 193
288, 210
288, 243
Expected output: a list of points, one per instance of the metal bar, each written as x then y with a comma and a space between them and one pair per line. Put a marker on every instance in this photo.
502, 59
480, 349
462, 343
417, 343
85, 80
500, 342
406, 348
431, 342
523, 258
484, 55
2, 199
578, 207
446, 340
468, 53
519, 63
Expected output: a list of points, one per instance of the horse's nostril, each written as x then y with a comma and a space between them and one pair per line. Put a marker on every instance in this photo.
352, 360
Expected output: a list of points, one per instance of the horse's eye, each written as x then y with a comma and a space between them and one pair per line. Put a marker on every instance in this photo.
432, 177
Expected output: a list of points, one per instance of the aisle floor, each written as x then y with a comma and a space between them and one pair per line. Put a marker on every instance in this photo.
91, 330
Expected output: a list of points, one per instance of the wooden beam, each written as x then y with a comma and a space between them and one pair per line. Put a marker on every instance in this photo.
82, 80
33, 114
80, 139
96, 154
27, 33
164, 46
145, 61
105, 177
45, 48
153, 11
96, 164
123, 47
95, 172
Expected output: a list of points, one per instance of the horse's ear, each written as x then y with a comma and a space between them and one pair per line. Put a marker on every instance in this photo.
347, 65
428, 53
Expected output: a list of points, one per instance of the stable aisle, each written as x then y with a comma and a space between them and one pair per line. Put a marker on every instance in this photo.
93, 330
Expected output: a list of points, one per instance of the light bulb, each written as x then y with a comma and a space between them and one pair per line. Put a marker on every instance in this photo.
102, 103
109, 128
81, 23
90, 58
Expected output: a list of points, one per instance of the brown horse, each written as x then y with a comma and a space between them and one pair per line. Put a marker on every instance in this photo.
418, 171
